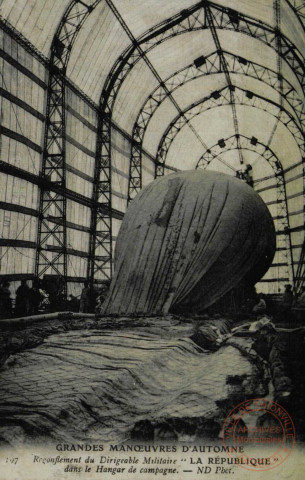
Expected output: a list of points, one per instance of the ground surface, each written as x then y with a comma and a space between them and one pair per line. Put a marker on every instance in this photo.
102, 380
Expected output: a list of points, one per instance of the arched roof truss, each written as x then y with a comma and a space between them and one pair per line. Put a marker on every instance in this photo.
220, 98
243, 80
209, 65
202, 16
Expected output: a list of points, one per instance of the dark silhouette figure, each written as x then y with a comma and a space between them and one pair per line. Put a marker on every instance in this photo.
22, 306
85, 299
288, 297
5, 300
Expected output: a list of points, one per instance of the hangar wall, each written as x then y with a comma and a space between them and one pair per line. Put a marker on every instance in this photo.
23, 105
24, 90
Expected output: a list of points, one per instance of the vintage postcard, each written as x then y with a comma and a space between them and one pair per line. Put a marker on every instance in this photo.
152, 278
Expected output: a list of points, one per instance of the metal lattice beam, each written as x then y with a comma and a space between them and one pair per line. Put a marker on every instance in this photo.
220, 98
225, 70
211, 66
194, 19
155, 74
51, 257
100, 264
101, 225
188, 20
300, 275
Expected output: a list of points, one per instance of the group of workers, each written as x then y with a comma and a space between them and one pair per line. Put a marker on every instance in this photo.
38, 298
26, 303
32, 300
28, 300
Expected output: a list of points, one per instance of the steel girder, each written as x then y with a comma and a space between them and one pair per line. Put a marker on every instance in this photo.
220, 98
51, 256
223, 18
225, 69
254, 145
135, 181
244, 24
100, 264
211, 66
55, 188
188, 20
279, 62
300, 275
101, 224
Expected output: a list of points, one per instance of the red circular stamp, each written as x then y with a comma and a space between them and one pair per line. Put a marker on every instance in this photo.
258, 434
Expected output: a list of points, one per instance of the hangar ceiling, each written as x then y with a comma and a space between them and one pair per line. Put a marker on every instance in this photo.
219, 85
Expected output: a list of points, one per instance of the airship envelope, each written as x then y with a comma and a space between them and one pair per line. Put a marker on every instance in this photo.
186, 240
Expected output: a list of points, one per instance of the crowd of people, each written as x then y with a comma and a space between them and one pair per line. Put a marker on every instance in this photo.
28, 300
48, 297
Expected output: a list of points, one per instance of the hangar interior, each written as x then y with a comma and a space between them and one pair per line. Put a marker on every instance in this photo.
99, 97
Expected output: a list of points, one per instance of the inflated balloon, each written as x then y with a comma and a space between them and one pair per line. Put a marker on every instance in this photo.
186, 240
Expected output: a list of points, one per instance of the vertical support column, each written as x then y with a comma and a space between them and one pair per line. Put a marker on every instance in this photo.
300, 275
282, 207
135, 168
51, 254
100, 256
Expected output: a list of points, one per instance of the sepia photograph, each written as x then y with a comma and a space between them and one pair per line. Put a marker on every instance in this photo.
152, 239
